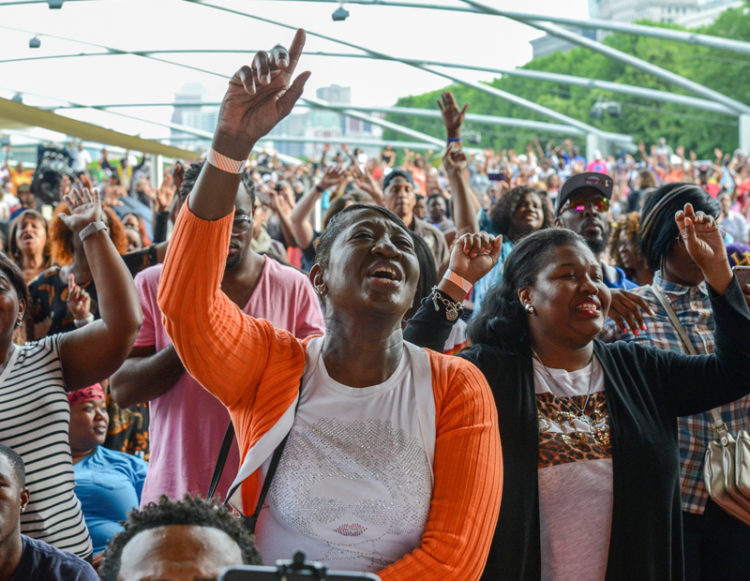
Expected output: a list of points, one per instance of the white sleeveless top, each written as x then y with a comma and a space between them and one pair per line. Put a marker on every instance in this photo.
354, 484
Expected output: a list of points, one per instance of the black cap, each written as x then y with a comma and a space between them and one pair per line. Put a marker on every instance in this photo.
600, 182
397, 173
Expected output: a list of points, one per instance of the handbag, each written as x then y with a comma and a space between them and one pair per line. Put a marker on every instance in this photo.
726, 466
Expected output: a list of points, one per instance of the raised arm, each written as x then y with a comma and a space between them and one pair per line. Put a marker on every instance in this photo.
258, 97
203, 323
465, 203
300, 216
95, 351
472, 256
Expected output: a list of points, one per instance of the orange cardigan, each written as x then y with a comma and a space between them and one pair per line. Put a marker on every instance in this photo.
255, 369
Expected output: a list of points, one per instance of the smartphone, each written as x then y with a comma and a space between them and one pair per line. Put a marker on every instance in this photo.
496, 177
742, 273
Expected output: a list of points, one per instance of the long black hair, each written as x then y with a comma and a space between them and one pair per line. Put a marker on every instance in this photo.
502, 320
428, 276
658, 229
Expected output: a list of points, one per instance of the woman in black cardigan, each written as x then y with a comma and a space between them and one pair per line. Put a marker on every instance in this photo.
590, 453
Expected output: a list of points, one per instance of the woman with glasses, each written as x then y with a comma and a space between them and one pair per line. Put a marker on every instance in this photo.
381, 457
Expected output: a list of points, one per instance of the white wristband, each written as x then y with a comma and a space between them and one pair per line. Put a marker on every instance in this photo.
458, 280
92, 228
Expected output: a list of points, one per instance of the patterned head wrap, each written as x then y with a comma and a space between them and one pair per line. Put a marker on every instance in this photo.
91, 393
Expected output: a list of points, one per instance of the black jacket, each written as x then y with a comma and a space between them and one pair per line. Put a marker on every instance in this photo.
646, 389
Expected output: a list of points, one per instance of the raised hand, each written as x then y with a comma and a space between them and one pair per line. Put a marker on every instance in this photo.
453, 117
84, 207
474, 255
332, 177
454, 159
260, 95
79, 301
368, 184
705, 245
164, 195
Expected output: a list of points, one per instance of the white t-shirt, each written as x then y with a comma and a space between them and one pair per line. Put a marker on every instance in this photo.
354, 484
575, 473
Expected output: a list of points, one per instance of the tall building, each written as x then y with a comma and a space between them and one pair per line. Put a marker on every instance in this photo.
314, 126
191, 113
688, 13
321, 125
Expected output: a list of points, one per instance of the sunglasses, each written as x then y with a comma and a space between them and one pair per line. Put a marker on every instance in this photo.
579, 205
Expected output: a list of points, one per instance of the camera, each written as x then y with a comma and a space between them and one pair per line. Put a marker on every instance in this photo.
53, 163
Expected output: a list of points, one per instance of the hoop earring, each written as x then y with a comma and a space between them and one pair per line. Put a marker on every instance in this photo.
529, 308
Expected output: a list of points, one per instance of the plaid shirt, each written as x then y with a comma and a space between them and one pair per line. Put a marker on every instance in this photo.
693, 308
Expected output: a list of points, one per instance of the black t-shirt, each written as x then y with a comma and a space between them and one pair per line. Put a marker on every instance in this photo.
40, 561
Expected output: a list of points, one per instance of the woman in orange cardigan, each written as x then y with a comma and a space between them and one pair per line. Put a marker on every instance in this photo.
391, 456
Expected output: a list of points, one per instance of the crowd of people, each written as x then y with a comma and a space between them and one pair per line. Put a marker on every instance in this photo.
461, 368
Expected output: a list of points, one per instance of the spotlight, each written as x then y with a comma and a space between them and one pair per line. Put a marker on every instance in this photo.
340, 14
55, 4
35, 42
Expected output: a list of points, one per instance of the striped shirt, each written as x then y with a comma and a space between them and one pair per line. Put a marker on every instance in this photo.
692, 306
34, 421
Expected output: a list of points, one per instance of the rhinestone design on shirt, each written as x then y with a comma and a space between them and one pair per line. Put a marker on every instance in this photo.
354, 486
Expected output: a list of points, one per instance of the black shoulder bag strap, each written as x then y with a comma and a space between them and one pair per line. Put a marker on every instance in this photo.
221, 460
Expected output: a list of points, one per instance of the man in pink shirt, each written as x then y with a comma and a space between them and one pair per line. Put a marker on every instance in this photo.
187, 423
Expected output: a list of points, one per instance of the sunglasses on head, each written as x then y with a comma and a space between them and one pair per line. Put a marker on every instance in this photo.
579, 205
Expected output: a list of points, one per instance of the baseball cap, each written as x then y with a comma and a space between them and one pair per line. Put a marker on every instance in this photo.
397, 173
600, 182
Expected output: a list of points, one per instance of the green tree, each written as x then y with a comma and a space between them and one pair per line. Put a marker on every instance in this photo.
645, 119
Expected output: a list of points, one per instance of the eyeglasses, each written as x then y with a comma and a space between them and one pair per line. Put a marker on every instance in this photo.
241, 224
579, 205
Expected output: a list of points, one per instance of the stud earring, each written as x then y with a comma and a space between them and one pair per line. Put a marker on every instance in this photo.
529, 308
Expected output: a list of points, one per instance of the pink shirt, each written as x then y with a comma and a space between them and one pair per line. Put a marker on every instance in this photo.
187, 423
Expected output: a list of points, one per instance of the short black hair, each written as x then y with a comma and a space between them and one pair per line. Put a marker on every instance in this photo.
502, 320
194, 170
338, 223
501, 213
11, 270
658, 229
16, 462
397, 173
191, 510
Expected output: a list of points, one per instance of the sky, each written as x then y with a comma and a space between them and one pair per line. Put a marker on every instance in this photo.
132, 25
